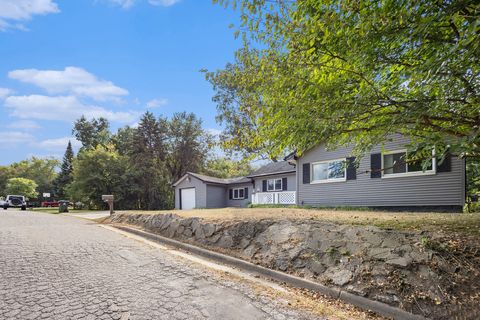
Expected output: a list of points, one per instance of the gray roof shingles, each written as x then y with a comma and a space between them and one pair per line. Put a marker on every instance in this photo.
209, 179
273, 168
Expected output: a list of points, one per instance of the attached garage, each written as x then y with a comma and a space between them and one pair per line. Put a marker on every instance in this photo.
197, 191
190, 193
187, 199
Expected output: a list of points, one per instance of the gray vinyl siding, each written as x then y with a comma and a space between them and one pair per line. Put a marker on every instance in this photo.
216, 196
200, 192
441, 189
239, 203
291, 181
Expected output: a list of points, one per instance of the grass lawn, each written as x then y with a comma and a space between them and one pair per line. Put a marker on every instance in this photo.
468, 224
55, 210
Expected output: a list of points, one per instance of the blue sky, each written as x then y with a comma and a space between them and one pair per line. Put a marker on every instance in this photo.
113, 58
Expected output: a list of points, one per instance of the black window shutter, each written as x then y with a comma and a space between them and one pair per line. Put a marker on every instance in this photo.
306, 173
264, 185
245, 194
351, 169
446, 165
180, 199
376, 165
284, 184
230, 194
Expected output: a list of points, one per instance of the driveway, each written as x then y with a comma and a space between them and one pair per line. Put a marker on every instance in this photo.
90, 215
60, 267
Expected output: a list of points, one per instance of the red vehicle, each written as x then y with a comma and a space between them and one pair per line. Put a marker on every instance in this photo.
50, 204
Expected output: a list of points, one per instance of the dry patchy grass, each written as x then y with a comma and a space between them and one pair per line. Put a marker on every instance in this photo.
304, 300
431, 221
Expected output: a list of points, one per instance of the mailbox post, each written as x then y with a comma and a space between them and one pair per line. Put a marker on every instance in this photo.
109, 199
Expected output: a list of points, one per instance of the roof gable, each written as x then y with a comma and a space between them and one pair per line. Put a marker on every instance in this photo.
213, 180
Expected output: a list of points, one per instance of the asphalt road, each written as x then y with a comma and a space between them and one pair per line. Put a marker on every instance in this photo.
60, 267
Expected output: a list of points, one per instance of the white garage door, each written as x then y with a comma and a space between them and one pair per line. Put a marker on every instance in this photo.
188, 198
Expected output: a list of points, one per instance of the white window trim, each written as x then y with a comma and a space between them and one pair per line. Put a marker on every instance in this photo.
408, 174
238, 198
274, 184
328, 180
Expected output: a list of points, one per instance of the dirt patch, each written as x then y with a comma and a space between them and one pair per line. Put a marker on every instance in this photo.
314, 303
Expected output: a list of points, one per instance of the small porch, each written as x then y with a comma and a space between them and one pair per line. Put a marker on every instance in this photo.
283, 197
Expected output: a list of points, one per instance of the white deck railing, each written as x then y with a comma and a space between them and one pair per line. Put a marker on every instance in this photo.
285, 197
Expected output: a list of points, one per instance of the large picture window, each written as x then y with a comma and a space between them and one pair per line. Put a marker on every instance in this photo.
325, 171
274, 185
394, 163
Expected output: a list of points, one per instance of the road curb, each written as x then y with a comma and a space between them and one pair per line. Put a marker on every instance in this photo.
361, 302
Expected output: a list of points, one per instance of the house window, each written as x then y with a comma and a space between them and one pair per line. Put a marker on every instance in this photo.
394, 164
238, 194
328, 171
274, 185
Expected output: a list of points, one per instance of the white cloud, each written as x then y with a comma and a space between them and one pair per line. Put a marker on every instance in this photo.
72, 80
66, 108
214, 132
134, 125
14, 12
155, 103
127, 4
14, 137
5, 92
163, 3
57, 144
50, 147
26, 125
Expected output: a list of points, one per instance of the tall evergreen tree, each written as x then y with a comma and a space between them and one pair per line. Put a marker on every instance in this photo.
65, 176
147, 163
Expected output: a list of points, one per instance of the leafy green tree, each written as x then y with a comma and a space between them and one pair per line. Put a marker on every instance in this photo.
5, 174
473, 177
354, 72
222, 167
92, 133
64, 178
235, 102
473, 183
188, 145
42, 171
22, 187
97, 172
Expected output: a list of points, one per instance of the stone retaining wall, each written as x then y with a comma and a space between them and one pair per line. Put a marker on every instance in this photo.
390, 266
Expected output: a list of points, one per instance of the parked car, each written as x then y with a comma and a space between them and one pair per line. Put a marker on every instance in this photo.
50, 204
2, 202
14, 201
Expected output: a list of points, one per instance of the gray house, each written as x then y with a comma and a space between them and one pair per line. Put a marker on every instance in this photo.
382, 179
273, 183
323, 177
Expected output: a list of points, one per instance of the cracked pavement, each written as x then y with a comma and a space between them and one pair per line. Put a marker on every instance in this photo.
60, 267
